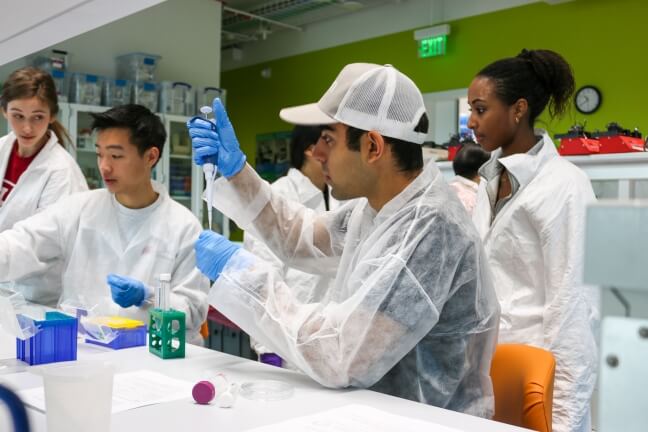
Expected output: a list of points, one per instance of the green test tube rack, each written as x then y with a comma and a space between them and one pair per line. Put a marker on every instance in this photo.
167, 333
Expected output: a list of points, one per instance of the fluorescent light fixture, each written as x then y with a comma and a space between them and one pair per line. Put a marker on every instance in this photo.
430, 32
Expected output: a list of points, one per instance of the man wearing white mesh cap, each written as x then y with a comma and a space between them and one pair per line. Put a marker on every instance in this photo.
412, 311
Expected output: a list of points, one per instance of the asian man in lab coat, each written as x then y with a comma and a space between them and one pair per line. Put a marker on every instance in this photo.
116, 241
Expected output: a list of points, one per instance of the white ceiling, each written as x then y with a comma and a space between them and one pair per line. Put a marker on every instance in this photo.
28, 26
377, 19
240, 29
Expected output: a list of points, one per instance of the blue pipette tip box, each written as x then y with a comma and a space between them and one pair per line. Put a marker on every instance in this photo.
126, 338
55, 341
128, 332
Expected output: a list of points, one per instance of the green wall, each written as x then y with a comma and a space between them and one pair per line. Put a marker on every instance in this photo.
604, 40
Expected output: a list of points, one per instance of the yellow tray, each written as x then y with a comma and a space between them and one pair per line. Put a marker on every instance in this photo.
116, 322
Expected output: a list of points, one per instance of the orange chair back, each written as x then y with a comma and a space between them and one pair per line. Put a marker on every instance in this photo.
204, 330
523, 379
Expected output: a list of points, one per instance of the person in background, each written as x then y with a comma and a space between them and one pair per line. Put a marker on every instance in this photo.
304, 183
465, 165
115, 242
35, 169
530, 213
412, 311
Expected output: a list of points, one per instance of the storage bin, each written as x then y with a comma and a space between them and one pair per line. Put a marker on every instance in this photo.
206, 95
85, 89
56, 341
51, 60
137, 66
61, 86
117, 92
146, 94
176, 98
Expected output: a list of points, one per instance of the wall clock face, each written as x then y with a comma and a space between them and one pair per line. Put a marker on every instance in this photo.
588, 99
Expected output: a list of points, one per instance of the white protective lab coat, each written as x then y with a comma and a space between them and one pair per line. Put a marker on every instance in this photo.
307, 287
83, 229
52, 175
297, 187
412, 312
535, 246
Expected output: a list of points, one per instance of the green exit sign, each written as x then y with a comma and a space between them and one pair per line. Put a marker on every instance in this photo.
432, 47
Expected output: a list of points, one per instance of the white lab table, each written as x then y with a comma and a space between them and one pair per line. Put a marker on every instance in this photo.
185, 415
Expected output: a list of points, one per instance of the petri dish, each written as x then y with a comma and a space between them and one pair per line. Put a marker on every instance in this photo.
266, 390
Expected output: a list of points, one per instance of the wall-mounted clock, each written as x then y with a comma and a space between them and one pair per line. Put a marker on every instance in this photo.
588, 99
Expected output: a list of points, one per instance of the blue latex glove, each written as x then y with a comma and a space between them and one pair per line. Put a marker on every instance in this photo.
126, 292
212, 253
216, 142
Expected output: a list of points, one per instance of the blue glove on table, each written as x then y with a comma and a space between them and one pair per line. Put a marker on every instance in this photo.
212, 253
216, 142
126, 291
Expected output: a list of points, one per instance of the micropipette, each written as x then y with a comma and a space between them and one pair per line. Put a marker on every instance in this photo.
209, 169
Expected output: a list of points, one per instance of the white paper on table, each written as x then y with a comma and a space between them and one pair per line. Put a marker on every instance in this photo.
130, 390
353, 418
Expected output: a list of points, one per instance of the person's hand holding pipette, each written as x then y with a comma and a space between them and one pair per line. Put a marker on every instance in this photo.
216, 140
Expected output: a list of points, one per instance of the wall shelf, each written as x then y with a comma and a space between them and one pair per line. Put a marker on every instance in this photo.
615, 175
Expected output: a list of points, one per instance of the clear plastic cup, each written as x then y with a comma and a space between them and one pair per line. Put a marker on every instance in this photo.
78, 397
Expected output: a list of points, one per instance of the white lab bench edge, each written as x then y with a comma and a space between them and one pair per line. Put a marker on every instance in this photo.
309, 397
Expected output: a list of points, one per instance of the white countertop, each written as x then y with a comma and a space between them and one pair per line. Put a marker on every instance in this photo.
185, 415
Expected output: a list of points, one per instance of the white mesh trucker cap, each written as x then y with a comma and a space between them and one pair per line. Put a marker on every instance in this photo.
368, 97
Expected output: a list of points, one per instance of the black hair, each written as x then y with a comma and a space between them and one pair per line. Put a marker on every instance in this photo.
408, 155
301, 139
542, 77
468, 159
145, 128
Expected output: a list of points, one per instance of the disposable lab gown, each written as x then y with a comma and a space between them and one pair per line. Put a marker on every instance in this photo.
535, 246
306, 287
52, 175
83, 230
297, 187
412, 312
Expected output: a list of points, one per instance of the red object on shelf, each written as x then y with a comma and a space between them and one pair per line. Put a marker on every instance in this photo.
578, 146
219, 318
620, 144
452, 151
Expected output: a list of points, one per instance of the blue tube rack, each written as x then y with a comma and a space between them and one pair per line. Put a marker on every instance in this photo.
56, 340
